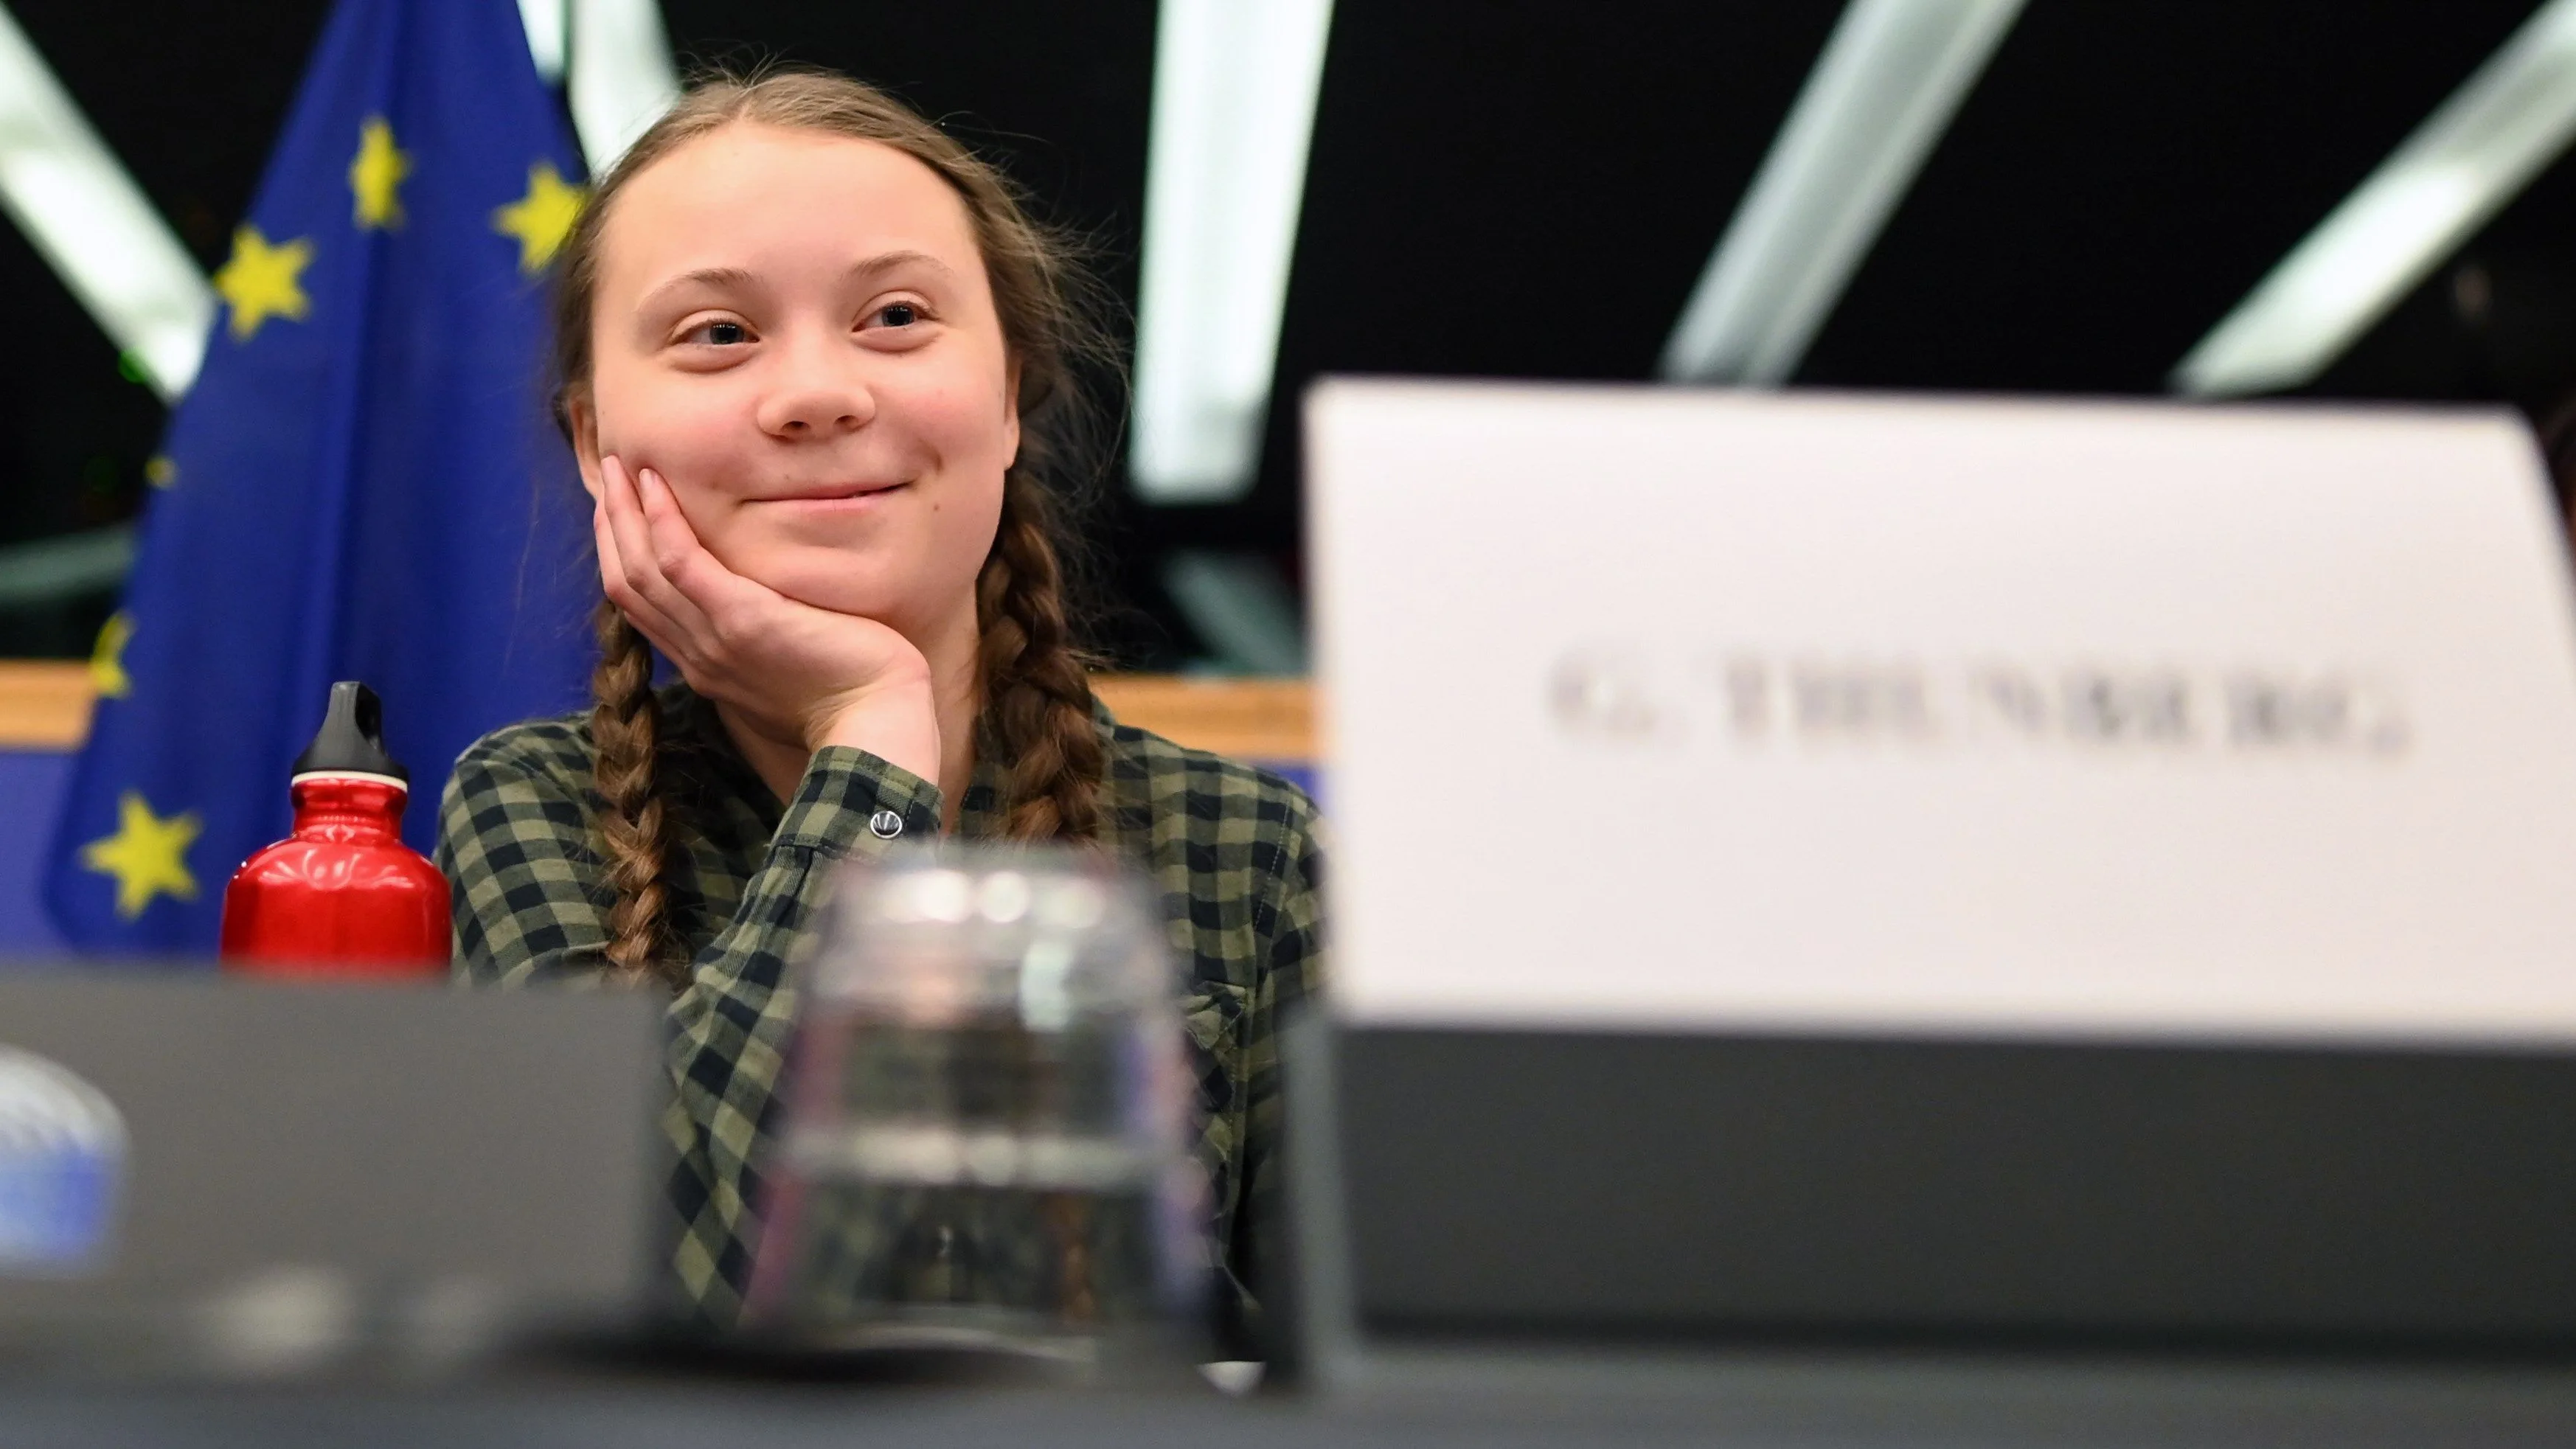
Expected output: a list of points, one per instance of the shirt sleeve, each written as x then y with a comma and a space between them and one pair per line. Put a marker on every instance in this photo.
531, 904
1291, 974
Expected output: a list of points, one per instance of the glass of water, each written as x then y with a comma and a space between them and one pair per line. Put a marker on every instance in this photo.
986, 1136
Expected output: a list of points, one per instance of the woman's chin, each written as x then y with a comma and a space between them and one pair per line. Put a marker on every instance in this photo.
842, 580
840, 596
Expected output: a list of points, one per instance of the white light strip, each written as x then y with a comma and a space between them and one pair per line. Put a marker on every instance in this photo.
89, 220
620, 79
66, 566
1240, 608
1234, 108
2460, 167
545, 22
1890, 78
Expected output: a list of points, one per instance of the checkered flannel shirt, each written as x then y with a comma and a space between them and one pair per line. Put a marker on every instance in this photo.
1231, 849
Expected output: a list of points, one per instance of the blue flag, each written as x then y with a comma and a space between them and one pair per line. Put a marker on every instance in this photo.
362, 484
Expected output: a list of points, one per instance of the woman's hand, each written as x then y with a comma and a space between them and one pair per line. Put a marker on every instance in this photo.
793, 672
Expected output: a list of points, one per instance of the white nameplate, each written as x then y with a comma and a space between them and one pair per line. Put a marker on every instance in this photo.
1668, 709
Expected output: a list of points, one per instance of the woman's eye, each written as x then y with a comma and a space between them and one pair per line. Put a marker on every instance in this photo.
726, 334
898, 314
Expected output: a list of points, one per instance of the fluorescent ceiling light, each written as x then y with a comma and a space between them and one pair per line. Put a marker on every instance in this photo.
620, 78
89, 220
1234, 108
1240, 608
2460, 167
66, 566
545, 20
1890, 78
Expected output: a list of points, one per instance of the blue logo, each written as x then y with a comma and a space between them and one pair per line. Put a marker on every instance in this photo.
62, 1149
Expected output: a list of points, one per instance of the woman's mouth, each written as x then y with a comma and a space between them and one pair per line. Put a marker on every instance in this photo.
836, 497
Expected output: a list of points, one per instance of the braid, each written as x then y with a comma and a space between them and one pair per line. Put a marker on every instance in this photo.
625, 729
1037, 684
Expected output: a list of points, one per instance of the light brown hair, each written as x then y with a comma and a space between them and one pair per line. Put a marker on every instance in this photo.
1035, 677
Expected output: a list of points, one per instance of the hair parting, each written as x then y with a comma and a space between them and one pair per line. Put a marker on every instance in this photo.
1037, 703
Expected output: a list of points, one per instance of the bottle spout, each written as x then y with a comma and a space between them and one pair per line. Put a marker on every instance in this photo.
352, 738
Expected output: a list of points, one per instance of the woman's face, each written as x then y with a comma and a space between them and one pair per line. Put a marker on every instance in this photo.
794, 329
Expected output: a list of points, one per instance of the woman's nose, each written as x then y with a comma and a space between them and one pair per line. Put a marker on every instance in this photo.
818, 395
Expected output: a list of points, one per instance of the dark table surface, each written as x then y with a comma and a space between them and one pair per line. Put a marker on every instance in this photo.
1453, 1399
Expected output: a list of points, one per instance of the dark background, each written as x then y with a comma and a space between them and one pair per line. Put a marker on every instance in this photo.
1518, 188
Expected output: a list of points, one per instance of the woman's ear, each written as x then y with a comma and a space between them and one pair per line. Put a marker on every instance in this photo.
582, 421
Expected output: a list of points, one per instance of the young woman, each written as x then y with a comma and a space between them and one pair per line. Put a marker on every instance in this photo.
817, 365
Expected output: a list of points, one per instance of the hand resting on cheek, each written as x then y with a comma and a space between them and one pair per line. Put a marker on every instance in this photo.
796, 674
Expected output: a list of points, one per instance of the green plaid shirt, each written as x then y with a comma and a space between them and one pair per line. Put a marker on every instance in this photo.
1232, 850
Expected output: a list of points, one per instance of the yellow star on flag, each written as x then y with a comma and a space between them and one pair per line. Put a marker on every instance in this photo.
377, 173
542, 218
260, 281
148, 855
107, 659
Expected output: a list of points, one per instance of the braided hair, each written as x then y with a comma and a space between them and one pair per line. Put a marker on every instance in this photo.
1035, 677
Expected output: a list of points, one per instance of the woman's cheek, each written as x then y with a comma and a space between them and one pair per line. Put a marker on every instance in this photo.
958, 410
714, 511
685, 452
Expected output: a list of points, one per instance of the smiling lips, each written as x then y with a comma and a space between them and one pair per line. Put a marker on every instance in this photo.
837, 493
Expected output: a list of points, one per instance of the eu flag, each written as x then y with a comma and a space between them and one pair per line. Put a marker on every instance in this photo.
362, 483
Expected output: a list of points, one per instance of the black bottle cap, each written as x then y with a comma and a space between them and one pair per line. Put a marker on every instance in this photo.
352, 738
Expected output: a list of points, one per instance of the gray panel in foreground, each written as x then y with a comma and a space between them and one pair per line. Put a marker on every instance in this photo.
1626, 1187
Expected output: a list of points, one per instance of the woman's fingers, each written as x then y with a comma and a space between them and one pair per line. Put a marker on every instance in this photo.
637, 561
720, 595
612, 567
618, 572
612, 580
694, 609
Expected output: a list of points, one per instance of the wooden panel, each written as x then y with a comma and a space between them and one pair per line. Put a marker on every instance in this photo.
1250, 719
44, 705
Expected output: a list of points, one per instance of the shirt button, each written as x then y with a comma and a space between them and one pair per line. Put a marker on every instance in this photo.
886, 824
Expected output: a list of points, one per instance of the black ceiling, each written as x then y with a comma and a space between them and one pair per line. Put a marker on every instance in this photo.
1521, 188
2124, 173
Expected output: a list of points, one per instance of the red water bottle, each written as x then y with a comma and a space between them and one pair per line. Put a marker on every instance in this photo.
342, 896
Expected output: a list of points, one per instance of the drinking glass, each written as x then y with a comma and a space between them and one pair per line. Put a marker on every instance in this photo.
986, 1134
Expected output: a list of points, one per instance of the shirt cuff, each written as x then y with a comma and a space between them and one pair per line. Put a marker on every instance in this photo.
852, 803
